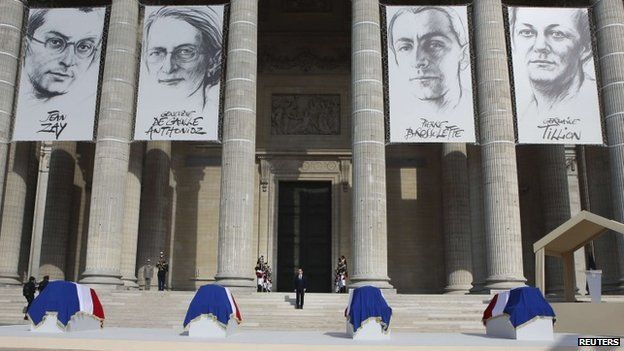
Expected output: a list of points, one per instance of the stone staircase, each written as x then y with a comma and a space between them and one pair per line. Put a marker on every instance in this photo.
275, 311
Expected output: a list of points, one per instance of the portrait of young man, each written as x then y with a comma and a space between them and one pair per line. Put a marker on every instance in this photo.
554, 76
429, 73
180, 73
59, 76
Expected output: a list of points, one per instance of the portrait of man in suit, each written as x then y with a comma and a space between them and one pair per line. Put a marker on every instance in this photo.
59, 79
429, 73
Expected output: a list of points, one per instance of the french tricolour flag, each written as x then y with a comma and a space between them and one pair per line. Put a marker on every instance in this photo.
215, 300
66, 299
496, 306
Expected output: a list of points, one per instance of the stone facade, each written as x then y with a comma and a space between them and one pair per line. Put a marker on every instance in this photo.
422, 218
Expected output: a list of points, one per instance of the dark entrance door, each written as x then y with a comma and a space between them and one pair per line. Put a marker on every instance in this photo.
304, 234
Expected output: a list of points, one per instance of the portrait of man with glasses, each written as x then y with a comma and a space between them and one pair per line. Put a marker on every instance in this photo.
59, 78
180, 73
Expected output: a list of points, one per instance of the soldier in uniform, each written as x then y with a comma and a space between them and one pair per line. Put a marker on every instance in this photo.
163, 268
148, 273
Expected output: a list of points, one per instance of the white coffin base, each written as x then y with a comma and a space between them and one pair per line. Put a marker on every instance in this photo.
78, 322
206, 327
369, 330
540, 328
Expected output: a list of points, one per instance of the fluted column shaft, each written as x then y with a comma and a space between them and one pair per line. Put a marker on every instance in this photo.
500, 179
238, 167
155, 218
13, 212
41, 192
369, 239
600, 203
112, 148
456, 210
555, 204
57, 211
11, 18
131, 216
574, 194
479, 262
609, 18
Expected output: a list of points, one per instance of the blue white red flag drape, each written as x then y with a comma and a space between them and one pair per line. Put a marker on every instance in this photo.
520, 304
66, 299
368, 302
216, 301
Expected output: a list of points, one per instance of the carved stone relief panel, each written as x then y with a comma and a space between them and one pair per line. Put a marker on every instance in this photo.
285, 166
305, 114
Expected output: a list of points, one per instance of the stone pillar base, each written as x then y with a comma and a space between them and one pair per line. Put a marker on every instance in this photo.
356, 282
504, 283
236, 283
130, 283
457, 289
9, 279
101, 280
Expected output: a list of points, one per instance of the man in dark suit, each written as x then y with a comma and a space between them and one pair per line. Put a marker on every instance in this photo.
300, 288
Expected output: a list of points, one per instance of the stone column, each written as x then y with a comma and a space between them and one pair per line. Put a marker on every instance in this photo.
555, 204
11, 17
500, 179
574, 194
238, 169
609, 18
479, 265
13, 212
600, 203
41, 196
456, 219
57, 211
155, 219
131, 216
369, 239
112, 147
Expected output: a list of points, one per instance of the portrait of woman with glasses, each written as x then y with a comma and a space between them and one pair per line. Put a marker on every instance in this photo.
60, 73
180, 73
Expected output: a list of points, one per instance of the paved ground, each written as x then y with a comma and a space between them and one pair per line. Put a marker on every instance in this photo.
19, 338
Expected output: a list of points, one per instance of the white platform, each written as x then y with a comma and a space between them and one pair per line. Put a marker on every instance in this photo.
369, 330
540, 328
116, 339
207, 327
78, 322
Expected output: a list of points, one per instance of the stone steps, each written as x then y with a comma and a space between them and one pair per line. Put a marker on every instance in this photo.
275, 311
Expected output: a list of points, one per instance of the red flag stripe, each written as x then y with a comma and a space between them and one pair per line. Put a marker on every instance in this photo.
238, 315
487, 314
98, 311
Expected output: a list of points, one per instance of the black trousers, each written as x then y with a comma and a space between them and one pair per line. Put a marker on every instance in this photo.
300, 294
161, 281
29, 299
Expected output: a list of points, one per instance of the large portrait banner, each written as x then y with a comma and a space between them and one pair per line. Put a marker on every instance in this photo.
59, 74
429, 74
180, 74
554, 76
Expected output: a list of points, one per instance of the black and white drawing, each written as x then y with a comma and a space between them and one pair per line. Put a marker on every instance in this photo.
429, 73
59, 76
180, 73
554, 76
